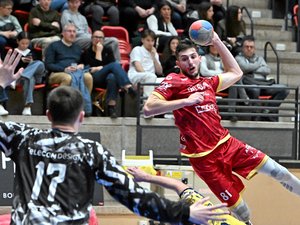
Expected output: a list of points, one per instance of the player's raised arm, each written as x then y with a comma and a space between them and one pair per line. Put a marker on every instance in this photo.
233, 72
155, 105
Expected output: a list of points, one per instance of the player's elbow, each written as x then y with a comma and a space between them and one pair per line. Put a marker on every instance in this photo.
148, 110
239, 73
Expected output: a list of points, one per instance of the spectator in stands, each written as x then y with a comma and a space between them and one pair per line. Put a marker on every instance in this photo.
33, 73
97, 9
62, 61
212, 65
83, 33
179, 9
204, 12
133, 12
160, 23
232, 29
144, 62
219, 10
106, 72
9, 26
255, 71
168, 57
44, 25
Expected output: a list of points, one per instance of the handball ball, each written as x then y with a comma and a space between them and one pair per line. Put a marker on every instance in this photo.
201, 32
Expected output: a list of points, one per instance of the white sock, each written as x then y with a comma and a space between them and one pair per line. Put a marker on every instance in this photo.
281, 174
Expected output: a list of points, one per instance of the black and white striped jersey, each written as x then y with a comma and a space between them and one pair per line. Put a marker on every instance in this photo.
55, 175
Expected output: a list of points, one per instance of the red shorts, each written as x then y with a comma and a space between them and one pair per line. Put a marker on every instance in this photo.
216, 168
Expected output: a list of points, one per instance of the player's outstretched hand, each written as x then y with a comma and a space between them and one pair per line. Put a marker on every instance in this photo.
201, 214
139, 175
8, 66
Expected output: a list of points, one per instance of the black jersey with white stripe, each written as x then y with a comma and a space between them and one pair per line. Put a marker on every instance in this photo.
55, 174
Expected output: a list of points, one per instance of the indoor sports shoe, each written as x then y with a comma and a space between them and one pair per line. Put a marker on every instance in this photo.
3, 112
26, 111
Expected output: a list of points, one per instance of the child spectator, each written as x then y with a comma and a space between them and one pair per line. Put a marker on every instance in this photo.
33, 73
144, 62
168, 57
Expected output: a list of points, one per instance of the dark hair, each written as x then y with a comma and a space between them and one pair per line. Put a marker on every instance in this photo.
167, 50
232, 25
163, 3
148, 32
23, 35
64, 104
202, 10
184, 45
248, 38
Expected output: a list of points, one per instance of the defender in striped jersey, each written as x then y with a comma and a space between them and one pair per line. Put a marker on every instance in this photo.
56, 168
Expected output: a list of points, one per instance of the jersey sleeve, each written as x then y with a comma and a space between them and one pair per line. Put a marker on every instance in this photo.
10, 135
141, 201
215, 82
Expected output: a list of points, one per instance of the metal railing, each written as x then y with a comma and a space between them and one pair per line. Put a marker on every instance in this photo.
250, 18
268, 43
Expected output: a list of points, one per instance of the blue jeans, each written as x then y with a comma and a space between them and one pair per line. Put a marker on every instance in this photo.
112, 77
32, 74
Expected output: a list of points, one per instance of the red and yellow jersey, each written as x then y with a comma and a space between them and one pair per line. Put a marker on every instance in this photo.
199, 125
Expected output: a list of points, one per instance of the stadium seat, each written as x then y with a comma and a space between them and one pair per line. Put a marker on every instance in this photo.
22, 16
116, 31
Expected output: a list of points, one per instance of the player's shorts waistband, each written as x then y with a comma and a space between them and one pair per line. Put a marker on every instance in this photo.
204, 153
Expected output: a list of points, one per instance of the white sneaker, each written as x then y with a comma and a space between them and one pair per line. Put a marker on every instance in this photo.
26, 111
3, 112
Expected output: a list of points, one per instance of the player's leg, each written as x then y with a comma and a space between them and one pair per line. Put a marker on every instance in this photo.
281, 174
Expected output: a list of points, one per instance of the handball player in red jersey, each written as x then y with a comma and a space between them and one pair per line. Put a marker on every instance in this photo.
56, 168
213, 153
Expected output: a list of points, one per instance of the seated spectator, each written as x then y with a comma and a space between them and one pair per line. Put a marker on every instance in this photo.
62, 61
168, 57
132, 12
219, 10
9, 26
160, 23
83, 35
144, 62
44, 25
106, 72
212, 65
232, 29
256, 71
97, 9
33, 73
178, 9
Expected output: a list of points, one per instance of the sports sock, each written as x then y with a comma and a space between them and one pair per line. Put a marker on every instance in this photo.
281, 174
